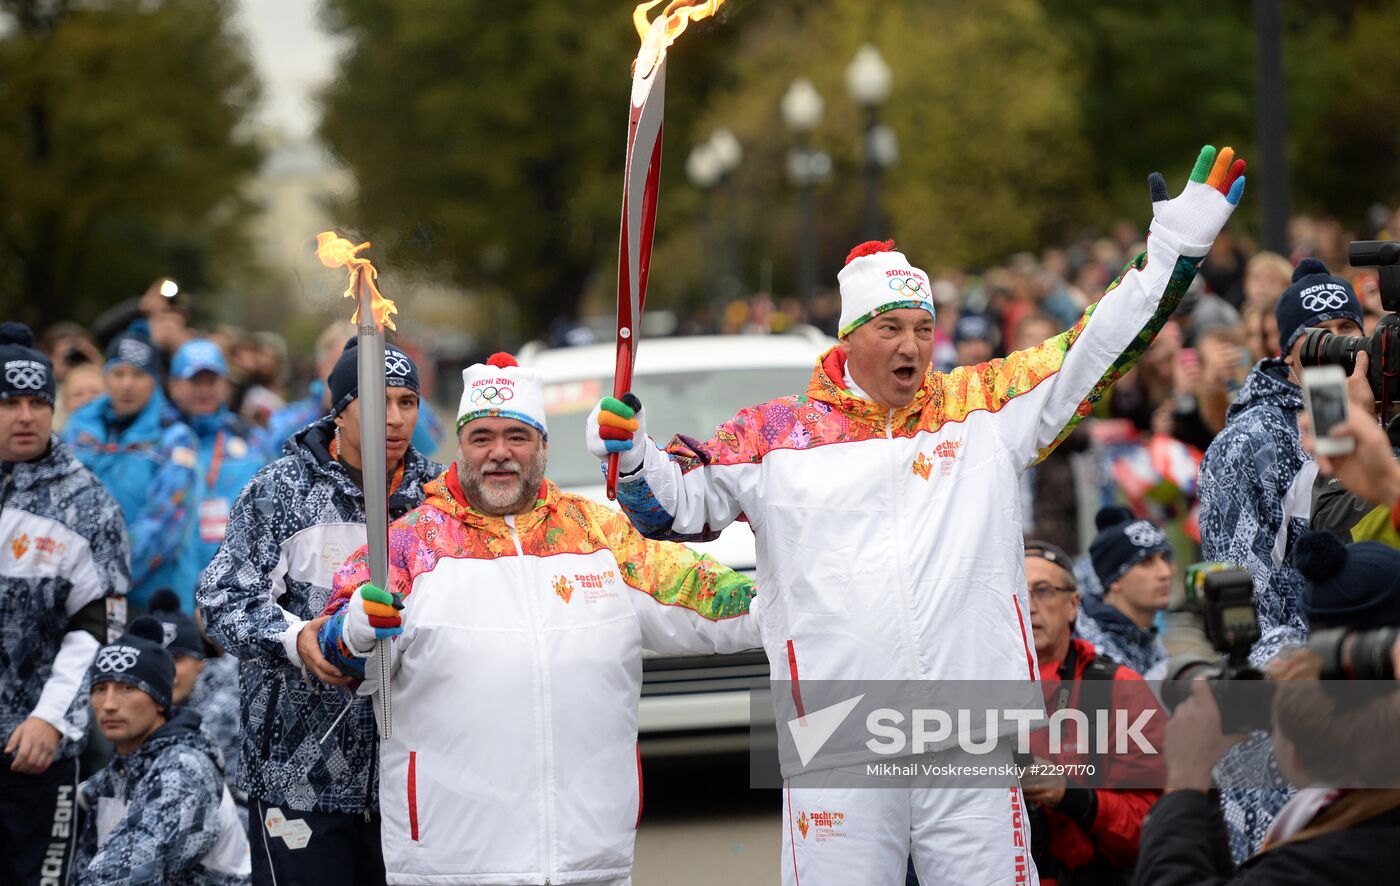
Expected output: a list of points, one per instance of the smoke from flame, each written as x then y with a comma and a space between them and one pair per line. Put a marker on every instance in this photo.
335, 251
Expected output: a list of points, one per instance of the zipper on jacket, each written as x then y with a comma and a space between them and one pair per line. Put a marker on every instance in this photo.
906, 593
546, 741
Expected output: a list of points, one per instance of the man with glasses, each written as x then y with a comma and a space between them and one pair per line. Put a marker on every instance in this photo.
1078, 833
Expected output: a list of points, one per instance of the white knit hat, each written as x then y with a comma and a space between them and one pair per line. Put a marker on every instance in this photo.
877, 279
502, 388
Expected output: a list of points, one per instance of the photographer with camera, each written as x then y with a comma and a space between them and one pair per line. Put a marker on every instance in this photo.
1321, 738
1256, 494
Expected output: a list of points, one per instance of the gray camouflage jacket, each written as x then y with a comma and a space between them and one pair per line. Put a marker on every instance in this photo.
64, 566
293, 525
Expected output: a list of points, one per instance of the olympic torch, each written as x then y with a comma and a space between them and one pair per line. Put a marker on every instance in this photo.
372, 314
642, 179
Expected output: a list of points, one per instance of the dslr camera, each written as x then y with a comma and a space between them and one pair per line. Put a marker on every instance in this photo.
1322, 347
1355, 655
1221, 595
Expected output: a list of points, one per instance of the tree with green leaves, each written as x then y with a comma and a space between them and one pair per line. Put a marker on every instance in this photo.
488, 144
123, 150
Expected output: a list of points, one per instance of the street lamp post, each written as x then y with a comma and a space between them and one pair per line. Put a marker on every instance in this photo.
868, 81
802, 108
703, 169
728, 152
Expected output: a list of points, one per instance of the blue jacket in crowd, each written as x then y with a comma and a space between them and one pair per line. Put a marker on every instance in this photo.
1256, 492
229, 454
293, 526
64, 555
148, 463
161, 814
292, 418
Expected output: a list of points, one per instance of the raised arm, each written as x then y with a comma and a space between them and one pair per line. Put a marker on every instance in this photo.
1041, 393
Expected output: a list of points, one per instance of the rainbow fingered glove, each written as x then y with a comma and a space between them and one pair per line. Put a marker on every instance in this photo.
371, 615
1198, 213
618, 426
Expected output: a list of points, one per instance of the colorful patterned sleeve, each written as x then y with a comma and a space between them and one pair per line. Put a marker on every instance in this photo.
686, 602
404, 556
690, 490
1042, 393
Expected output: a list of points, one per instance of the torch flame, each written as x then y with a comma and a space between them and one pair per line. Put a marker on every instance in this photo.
675, 18
337, 252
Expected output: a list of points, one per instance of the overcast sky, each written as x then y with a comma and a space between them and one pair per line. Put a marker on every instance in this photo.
294, 56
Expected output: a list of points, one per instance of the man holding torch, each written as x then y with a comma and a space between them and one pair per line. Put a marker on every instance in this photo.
513, 757
885, 505
309, 750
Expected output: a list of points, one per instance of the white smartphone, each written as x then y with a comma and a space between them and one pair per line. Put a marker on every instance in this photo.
1325, 399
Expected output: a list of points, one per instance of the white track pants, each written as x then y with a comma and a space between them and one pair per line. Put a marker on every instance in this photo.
840, 835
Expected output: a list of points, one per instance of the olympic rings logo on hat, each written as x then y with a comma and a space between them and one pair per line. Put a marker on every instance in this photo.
1329, 300
908, 286
492, 394
26, 375
397, 364
117, 659
1144, 535
132, 351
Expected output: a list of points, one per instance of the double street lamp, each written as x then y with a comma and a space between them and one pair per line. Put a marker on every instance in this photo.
709, 167
868, 82
802, 109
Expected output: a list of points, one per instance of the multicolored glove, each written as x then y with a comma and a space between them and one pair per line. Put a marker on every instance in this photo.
371, 615
618, 426
1199, 212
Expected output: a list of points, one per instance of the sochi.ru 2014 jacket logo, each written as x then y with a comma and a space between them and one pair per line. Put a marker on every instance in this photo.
19, 545
563, 587
947, 453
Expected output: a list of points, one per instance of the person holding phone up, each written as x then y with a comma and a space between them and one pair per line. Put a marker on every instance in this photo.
1256, 495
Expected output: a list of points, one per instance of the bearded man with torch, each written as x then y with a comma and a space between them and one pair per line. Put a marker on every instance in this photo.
310, 750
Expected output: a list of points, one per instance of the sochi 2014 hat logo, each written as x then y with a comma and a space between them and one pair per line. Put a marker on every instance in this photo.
1144, 535
396, 364
493, 391
26, 375
909, 287
1323, 297
117, 659
129, 350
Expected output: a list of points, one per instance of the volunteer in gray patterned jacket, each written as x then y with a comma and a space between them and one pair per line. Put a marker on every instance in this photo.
312, 806
159, 813
63, 572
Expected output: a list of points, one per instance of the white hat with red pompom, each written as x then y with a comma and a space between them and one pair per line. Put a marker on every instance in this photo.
502, 388
877, 279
